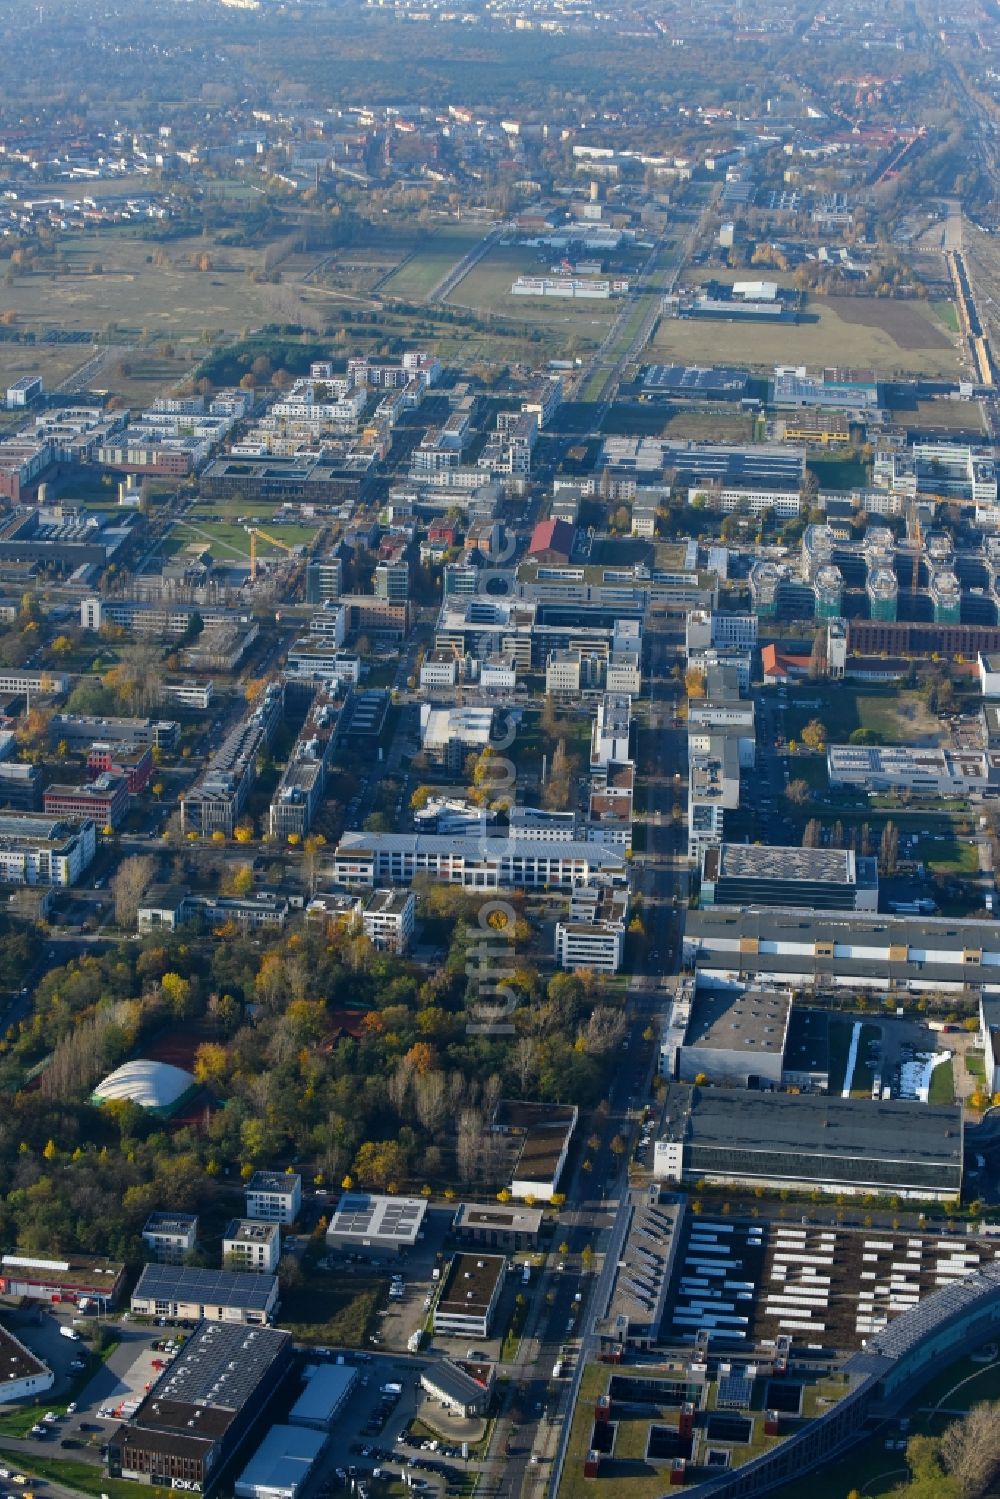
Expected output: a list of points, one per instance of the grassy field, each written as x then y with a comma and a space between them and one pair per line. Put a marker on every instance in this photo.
134, 292
722, 424
225, 540
901, 717
950, 416
434, 255
953, 856
487, 289
905, 338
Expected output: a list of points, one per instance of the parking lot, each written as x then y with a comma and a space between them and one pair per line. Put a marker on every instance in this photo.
371, 1432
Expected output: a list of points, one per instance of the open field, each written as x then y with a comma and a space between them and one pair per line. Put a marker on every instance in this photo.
892, 337
487, 289
901, 717
228, 541
953, 416
434, 254
337, 1309
721, 424
52, 361
146, 301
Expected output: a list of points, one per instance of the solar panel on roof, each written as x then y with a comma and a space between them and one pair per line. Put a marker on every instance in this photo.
187, 1283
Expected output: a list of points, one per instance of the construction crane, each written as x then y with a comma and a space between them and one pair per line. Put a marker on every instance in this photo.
256, 531
916, 541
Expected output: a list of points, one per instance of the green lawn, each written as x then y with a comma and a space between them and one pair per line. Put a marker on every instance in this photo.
948, 313
952, 856
942, 1089
837, 472
975, 1064
900, 716
229, 542
87, 1478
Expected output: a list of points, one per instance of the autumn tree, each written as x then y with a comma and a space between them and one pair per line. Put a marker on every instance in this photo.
129, 884
889, 848
694, 682
812, 834
814, 734
970, 1451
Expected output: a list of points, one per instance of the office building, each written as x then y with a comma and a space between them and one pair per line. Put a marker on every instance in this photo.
388, 919
927, 771
103, 801
508, 1226
751, 874
132, 763
77, 729
203, 1408
593, 935
186, 1294
474, 863
469, 1295
173, 906
371, 1224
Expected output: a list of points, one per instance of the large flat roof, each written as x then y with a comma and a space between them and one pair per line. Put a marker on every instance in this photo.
282, 1461
754, 1021
837, 1129
470, 1284
370, 1217
781, 924
758, 861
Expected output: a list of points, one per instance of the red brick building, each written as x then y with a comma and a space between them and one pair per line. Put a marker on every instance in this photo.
105, 800
133, 761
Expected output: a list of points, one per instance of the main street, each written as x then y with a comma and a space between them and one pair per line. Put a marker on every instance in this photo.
527, 1446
